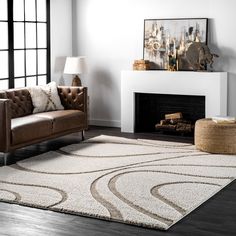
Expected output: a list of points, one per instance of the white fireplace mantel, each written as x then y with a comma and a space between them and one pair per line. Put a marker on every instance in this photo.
212, 85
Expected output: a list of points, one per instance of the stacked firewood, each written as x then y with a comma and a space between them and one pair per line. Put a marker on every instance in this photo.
141, 65
175, 123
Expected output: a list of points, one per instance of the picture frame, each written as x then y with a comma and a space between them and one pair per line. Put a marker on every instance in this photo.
166, 41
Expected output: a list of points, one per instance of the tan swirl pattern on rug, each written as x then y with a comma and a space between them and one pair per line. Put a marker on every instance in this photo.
142, 182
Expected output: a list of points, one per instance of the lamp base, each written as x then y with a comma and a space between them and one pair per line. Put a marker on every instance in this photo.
76, 81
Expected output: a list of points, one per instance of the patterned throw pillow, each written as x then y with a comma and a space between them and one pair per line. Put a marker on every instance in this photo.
45, 98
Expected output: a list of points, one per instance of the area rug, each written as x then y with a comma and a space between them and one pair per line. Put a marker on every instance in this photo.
141, 182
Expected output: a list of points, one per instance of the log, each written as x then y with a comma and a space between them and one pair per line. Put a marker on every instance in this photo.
177, 115
164, 122
165, 127
175, 121
184, 128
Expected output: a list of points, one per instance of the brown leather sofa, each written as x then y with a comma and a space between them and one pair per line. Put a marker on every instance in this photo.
19, 127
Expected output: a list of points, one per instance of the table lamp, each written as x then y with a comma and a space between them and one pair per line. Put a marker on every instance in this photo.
75, 66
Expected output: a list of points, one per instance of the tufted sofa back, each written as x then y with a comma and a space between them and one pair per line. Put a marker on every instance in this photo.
73, 97
20, 102
2, 94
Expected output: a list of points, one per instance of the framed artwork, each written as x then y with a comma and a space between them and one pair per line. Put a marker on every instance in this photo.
166, 41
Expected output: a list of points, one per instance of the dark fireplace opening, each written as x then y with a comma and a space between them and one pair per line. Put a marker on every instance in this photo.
150, 109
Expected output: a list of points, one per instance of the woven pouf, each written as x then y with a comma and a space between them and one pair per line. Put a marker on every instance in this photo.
215, 138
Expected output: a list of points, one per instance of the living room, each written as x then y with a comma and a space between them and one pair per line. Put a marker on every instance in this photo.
110, 35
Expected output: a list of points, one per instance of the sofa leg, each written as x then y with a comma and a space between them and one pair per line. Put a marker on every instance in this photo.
5, 155
82, 133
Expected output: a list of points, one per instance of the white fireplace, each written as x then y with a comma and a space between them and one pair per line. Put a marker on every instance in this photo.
212, 85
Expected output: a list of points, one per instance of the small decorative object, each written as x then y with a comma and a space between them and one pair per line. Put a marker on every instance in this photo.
197, 56
75, 66
167, 39
141, 65
173, 63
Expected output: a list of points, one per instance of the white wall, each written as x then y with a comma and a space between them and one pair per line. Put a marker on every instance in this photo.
110, 34
61, 37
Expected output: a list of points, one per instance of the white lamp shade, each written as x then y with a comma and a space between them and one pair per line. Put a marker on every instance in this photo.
75, 65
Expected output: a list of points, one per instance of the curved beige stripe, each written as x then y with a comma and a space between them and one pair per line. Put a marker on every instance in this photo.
155, 192
61, 192
191, 175
183, 146
112, 187
197, 165
16, 195
142, 142
115, 156
113, 211
19, 167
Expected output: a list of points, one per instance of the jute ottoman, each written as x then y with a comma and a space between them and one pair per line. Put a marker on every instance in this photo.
215, 138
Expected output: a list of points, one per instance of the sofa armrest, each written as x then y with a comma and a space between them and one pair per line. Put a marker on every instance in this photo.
5, 125
73, 97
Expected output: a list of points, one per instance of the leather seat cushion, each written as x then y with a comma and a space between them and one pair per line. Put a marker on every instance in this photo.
29, 128
64, 120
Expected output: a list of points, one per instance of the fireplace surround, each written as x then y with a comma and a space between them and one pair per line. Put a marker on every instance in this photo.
211, 85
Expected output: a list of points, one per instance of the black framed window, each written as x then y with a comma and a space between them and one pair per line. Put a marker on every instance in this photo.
4, 47
24, 43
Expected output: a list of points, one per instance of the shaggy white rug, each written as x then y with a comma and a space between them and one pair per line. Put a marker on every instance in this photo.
141, 182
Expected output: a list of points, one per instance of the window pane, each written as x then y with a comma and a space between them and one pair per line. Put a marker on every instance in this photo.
31, 81
30, 35
42, 61
19, 37
18, 11
3, 9
41, 10
19, 63
31, 62
42, 35
19, 83
3, 64
3, 84
3, 35
42, 80
29, 10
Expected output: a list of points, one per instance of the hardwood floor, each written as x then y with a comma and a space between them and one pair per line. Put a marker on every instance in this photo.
214, 218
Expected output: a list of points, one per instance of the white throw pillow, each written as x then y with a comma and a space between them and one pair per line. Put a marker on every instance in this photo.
45, 98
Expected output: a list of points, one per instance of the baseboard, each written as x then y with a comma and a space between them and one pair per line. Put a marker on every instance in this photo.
107, 123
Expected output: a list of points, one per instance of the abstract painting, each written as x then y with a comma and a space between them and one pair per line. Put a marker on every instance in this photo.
167, 39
